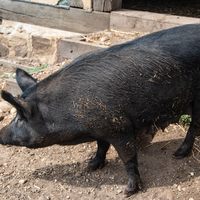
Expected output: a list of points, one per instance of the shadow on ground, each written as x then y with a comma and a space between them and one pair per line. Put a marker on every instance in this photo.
156, 166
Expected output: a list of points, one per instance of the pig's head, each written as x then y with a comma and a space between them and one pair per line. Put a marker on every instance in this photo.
25, 129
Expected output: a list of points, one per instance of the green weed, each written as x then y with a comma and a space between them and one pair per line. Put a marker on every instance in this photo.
185, 119
13, 75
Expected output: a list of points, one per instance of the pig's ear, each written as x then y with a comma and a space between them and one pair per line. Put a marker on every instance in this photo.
24, 79
20, 104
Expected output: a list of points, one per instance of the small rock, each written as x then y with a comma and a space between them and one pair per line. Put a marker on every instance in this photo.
5, 107
179, 188
184, 189
119, 191
175, 185
67, 197
78, 174
13, 110
1, 118
191, 199
4, 86
103, 39
191, 173
23, 181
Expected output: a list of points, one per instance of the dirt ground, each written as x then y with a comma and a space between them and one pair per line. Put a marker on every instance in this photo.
112, 37
60, 172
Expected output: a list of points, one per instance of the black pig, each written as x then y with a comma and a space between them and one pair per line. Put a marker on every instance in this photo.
111, 96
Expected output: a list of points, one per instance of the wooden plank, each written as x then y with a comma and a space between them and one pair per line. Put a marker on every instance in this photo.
107, 5
76, 20
98, 5
87, 5
8, 63
116, 5
75, 3
52, 2
130, 20
74, 47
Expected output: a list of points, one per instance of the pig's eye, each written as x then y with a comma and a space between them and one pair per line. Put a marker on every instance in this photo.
20, 118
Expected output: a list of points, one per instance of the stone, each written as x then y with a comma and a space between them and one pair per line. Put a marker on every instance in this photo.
1, 115
103, 39
5, 106
20, 28
4, 51
20, 47
192, 174
13, 111
119, 191
22, 181
40, 43
179, 188
4, 86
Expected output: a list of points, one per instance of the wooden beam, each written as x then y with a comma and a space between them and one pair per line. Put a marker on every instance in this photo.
51, 2
75, 3
87, 5
74, 47
76, 20
7, 63
98, 5
107, 5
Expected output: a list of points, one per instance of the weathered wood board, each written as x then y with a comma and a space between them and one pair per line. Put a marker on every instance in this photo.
7, 63
107, 5
51, 2
74, 47
75, 3
130, 20
75, 20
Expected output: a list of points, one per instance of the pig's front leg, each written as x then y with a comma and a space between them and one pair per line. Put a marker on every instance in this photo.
98, 161
125, 146
186, 147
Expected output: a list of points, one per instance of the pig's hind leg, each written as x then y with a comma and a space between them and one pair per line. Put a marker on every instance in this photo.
98, 161
125, 146
193, 131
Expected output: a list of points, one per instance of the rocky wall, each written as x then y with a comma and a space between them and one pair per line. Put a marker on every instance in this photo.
20, 41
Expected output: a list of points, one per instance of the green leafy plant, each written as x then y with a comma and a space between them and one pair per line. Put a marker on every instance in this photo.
36, 69
185, 119
13, 75
9, 75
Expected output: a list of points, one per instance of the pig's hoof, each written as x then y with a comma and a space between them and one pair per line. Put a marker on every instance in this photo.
181, 153
132, 188
95, 164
